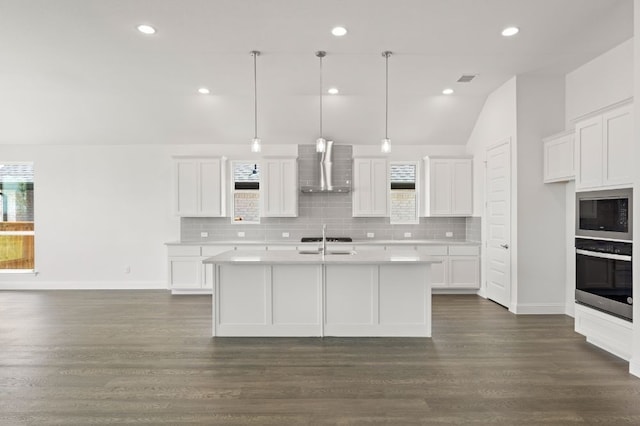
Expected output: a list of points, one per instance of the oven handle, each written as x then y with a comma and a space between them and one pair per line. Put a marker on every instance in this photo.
604, 255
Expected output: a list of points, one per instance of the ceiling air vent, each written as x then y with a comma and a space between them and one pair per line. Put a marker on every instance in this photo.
466, 78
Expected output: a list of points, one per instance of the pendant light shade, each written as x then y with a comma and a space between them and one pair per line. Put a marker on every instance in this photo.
386, 142
255, 142
321, 142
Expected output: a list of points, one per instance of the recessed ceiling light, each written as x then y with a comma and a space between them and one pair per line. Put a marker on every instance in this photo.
204, 91
339, 31
333, 91
447, 91
510, 31
146, 29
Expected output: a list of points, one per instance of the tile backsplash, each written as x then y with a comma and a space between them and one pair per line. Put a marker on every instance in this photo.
334, 210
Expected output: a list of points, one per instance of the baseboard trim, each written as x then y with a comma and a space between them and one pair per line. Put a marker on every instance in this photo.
570, 309
540, 308
454, 291
84, 285
634, 366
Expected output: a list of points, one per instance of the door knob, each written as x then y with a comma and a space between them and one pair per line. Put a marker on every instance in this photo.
504, 246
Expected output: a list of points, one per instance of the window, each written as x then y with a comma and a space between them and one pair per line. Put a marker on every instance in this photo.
16, 217
246, 192
403, 194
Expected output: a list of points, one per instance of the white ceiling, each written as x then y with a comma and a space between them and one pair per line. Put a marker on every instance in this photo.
78, 72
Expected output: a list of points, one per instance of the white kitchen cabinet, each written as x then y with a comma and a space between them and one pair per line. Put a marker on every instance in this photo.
370, 189
279, 187
187, 273
559, 158
604, 150
199, 186
464, 267
439, 271
448, 186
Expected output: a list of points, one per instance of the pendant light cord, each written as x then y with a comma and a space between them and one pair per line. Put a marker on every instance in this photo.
255, 53
321, 54
386, 95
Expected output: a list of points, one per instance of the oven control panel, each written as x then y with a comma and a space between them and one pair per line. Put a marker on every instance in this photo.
604, 246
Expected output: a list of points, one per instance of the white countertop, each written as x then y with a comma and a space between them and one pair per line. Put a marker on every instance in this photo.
293, 257
297, 243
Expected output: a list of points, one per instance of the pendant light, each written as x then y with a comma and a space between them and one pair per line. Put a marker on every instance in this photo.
255, 142
321, 142
386, 142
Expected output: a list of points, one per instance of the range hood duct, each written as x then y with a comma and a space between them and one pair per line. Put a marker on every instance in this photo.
326, 174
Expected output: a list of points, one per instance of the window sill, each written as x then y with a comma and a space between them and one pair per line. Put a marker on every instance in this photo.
19, 271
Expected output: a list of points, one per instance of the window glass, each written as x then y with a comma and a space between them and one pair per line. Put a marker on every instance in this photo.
246, 192
16, 217
403, 193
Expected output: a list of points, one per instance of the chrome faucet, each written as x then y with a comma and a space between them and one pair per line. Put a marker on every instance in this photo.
324, 239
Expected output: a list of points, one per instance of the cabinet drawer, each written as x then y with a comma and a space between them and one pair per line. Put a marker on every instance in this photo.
464, 250
184, 250
208, 251
433, 250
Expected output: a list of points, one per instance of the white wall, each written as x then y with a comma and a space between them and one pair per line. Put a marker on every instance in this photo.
603, 81
495, 124
540, 207
634, 365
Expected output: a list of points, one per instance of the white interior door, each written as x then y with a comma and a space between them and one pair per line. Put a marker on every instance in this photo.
498, 216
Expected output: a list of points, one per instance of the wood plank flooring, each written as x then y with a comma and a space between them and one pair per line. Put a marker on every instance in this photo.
145, 357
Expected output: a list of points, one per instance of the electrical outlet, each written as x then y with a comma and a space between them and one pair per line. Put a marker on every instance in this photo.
241, 234
448, 234
204, 234
370, 235
407, 234
285, 235
127, 269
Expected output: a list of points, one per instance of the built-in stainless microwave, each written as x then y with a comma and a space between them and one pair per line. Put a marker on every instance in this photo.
605, 214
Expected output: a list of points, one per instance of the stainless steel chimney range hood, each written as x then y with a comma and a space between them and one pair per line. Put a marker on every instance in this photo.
319, 173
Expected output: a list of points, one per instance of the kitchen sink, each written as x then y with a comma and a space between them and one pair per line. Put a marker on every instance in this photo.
329, 252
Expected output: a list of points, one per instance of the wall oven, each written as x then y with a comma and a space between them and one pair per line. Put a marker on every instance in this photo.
603, 276
604, 214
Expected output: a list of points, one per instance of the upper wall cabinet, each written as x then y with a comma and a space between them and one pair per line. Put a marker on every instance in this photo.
604, 150
448, 186
370, 187
279, 187
559, 158
199, 186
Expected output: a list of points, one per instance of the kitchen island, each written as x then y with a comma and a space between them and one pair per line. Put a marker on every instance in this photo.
283, 293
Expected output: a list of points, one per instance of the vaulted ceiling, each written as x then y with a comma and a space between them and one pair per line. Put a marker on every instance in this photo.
78, 71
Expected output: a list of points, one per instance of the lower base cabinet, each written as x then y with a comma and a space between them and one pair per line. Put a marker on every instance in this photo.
459, 268
187, 273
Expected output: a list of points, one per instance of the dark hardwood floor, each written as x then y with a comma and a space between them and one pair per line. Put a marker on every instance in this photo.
145, 357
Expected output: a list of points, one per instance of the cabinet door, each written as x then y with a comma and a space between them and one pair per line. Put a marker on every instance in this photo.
272, 188
464, 271
280, 187
589, 153
440, 187
185, 272
617, 127
462, 187
559, 159
186, 187
210, 189
370, 191
439, 272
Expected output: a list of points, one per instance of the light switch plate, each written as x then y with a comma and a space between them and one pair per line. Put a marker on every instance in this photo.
241, 234
407, 234
448, 234
285, 235
204, 234
370, 235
